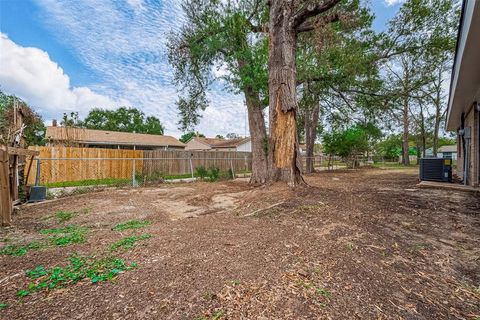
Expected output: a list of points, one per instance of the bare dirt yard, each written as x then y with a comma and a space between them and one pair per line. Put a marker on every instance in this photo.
361, 244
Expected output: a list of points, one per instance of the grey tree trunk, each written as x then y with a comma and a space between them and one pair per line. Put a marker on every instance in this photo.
258, 134
283, 141
438, 113
311, 123
405, 120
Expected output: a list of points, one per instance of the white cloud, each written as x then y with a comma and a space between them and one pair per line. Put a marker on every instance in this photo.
393, 2
126, 46
30, 74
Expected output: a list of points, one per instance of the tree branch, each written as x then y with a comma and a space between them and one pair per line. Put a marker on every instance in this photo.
312, 10
322, 21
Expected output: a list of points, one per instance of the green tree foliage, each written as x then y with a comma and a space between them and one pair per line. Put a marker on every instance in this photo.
417, 56
122, 119
71, 120
219, 34
389, 148
34, 131
189, 135
351, 142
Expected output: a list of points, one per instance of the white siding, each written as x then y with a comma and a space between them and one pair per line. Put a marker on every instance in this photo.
245, 147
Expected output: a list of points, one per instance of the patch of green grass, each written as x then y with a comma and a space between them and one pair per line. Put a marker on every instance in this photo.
67, 235
323, 292
129, 242
132, 224
305, 284
68, 229
235, 282
63, 216
20, 250
178, 176
3, 306
90, 182
79, 268
392, 165
350, 246
215, 316
421, 246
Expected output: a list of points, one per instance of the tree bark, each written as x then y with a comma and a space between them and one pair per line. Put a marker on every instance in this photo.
311, 123
258, 134
438, 113
405, 157
283, 141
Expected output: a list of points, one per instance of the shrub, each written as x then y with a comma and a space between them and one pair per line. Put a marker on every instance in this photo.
201, 172
214, 173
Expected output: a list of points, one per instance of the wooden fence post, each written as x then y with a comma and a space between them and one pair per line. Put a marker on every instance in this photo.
5, 198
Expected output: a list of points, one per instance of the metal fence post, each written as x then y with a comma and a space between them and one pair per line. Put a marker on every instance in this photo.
134, 182
231, 168
37, 175
191, 166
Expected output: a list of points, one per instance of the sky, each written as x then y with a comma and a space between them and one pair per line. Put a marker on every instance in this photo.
72, 55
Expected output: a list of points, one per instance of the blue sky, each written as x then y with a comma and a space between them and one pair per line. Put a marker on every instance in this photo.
72, 55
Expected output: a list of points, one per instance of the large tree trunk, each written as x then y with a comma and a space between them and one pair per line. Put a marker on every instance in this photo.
405, 157
258, 134
438, 118
311, 123
283, 142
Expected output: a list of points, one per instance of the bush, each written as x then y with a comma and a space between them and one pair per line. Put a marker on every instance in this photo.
214, 173
201, 172
231, 174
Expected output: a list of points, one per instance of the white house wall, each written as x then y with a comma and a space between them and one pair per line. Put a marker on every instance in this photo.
245, 147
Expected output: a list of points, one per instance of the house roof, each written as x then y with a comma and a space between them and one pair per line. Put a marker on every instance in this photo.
452, 148
222, 143
465, 79
81, 135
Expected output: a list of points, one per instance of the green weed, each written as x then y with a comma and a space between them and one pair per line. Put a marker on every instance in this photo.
3, 306
421, 246
235, 282
217, 315
129, 242
132, 224
305, 284
20, 250
323, 292
79, 268
67, 235
63, 216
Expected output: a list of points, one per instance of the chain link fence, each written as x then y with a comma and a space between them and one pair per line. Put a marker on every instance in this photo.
64, 176
75, 175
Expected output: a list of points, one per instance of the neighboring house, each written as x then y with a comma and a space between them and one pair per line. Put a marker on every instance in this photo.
463, 115
447, 152
88, 138
302, 148
214, 144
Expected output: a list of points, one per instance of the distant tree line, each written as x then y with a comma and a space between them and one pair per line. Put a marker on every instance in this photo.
123, 119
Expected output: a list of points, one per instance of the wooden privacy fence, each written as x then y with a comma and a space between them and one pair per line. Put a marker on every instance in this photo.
178, 162
61, 164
